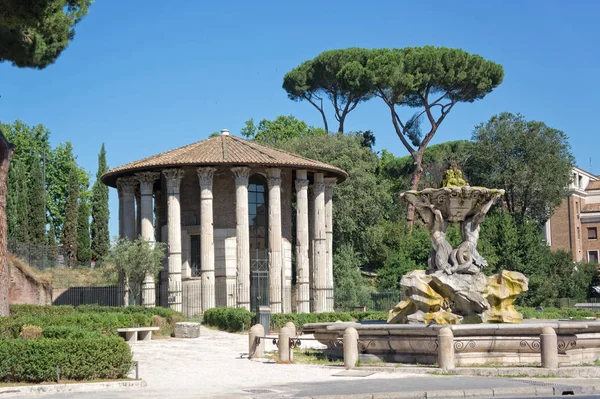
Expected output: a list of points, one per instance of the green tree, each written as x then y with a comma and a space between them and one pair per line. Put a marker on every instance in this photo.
363, 200
529, 160
52, 249
33, 33
37, 205
432, 81
84, 251
60, 162
31, 142
100, 212
281, 129
12, 201
339, 75
134, 259
351, 289
22, 233
69, 231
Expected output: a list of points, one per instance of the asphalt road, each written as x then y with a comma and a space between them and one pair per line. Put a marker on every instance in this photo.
307, 390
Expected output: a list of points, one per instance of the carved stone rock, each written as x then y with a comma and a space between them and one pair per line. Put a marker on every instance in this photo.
501, 292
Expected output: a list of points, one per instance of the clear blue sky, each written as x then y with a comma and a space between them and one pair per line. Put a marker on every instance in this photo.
146, 76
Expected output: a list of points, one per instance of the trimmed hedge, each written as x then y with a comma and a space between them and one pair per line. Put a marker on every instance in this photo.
299, 319
556, 313
91, 318
228, 319
78, 359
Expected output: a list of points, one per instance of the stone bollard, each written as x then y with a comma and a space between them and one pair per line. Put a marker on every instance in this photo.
256, 347
292, 327
549, 348
285, 353
350, 347
446, 348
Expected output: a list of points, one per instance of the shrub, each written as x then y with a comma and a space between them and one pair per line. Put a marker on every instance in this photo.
27, 309
78, 359
30, 332
68, 332
229, 319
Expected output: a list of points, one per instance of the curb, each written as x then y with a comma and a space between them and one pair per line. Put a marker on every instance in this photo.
467, 393
518, 372
65, 388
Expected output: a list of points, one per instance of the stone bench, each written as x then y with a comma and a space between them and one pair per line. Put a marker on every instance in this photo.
134, 334
187, 330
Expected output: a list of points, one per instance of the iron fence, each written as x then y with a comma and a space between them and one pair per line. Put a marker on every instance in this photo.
190, 296
43, 256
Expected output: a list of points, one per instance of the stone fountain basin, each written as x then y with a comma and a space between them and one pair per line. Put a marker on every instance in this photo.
474, 344
455, 203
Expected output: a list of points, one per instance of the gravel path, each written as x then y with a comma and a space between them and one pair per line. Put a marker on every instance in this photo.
211, 365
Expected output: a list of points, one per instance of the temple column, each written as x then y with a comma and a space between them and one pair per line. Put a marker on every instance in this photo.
302, 263
275, 261
311, 246
127, 187
207, 240
157, 218
146, 212
121, 221
320, 245
329, 185
174, 177
242, 233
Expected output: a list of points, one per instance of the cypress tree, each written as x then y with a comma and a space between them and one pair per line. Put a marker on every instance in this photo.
12, 201
22, 233
100, 213
69, 233
52, 253
84, 252
37, 211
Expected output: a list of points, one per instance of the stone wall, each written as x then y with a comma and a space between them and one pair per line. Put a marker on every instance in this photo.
25, 287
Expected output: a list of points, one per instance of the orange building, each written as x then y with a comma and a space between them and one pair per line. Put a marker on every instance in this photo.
574, 225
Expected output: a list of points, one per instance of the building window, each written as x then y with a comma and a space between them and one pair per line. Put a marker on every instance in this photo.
578, 233
257, 212
576, 208
592, 233
593, 256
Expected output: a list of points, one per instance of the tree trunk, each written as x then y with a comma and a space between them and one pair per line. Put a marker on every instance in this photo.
6, 152
414, 185
341, 126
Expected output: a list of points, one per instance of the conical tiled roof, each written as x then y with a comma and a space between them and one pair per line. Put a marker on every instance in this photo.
222, 150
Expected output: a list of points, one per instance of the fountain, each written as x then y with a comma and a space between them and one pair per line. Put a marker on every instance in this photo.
485, 327
455, 289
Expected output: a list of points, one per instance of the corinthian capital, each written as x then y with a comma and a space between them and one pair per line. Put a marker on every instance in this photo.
127, 185
205, 176
274, 177
147, 180
301, 184
173, 177
241, 174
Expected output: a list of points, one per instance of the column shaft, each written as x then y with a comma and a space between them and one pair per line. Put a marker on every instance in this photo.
207, 241
320, 246
138, 213
174, 177
242, 233
128, 186
146, 212
302, 262
275, 260
329, 185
